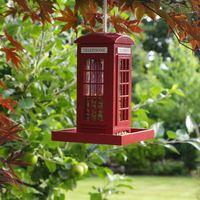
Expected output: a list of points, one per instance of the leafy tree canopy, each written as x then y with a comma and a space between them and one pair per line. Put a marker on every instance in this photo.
124, 16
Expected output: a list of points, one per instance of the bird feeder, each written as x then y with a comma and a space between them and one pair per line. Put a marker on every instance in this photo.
104, 88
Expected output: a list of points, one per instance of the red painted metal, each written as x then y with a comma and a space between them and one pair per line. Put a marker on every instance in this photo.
104, 89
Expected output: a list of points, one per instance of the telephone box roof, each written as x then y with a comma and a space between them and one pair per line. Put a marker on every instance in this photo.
104, 38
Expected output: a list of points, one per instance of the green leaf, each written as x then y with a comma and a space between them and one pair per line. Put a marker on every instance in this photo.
171, 135
176, 90
27, 103
180, 92
69, 184
182, 134
194, 144
172, 148
50, 165
102, 172
190, 124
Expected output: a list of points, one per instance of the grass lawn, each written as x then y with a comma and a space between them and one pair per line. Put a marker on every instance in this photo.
145, 188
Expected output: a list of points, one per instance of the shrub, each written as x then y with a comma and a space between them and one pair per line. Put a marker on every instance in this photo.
140, 158
169, 167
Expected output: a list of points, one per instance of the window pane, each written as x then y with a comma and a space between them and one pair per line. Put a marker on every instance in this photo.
121, 64
127, 64
127, 77
124, 79
88, 64
126, 102
100, 103
93, 109
93, 77
93, 64
87, 77
87, 109
121, 115
100, 115
100, 64
93, 90
86, 89
99, 77
99, 90
126, 89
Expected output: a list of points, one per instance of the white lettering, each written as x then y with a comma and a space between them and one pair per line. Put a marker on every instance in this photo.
94, 49
123, 50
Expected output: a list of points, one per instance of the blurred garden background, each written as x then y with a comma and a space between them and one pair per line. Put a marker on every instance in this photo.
41, 89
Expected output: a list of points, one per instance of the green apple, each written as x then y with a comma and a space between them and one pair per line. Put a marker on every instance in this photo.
30, 158
85, 166
78, 170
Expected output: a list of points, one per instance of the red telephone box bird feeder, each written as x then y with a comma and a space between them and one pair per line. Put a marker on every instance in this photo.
104, 93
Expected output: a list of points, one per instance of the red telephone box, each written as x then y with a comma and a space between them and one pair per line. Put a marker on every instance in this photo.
104, 92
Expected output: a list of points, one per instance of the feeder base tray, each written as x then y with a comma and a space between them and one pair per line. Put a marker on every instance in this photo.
71, 135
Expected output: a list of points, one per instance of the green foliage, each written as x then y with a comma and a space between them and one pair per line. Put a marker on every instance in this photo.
45, 89
169, 167
146, 188
113, 186
155, 40
175, 77
167, 98
140, 158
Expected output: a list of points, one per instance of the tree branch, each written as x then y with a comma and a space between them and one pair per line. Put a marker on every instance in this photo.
146, 6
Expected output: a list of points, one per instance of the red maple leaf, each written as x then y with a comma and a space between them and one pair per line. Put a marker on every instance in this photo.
14, 42
8, 130
69, 17
23, 5
7, 103
46, 8
11, 55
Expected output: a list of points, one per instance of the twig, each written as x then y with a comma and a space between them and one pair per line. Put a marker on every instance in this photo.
169, 26
30, 80
35, 186
138, 106
40, 48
